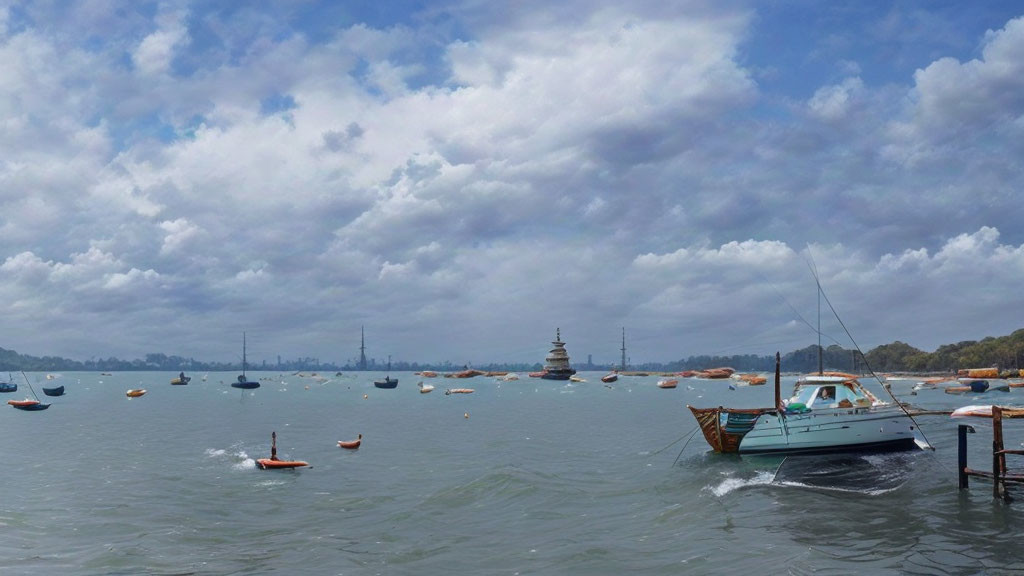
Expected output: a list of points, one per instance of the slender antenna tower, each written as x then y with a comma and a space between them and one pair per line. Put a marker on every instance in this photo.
623, 348
362, 349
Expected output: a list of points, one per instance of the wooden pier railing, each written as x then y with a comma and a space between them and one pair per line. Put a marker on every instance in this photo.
1001, 475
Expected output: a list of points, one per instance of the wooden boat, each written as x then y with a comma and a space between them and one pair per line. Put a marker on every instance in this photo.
135, 392
609, 378
428, 374
978, 373
536, 374
575, 378
556, 365
273, 463
55, 391
751, 379
351, 444
243, 382
425, 388
667, 383
451, 391
388, 382
8, 387
468, 373
28, 404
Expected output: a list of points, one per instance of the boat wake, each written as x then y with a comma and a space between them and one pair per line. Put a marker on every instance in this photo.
731, 484
870, 474
240, 460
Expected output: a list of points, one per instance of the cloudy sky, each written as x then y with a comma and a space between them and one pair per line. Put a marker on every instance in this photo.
463, 177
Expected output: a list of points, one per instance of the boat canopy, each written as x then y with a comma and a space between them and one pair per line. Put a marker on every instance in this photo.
842, 392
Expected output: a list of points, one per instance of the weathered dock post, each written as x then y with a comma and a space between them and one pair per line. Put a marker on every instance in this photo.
961, 454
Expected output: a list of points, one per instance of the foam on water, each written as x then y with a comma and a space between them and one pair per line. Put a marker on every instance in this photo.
730, 484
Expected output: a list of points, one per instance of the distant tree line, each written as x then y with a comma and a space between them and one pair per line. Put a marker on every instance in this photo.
1004, 352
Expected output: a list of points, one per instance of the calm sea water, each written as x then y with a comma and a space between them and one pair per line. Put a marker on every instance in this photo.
526, 477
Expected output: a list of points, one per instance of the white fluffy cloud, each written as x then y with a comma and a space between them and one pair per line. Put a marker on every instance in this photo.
461, 194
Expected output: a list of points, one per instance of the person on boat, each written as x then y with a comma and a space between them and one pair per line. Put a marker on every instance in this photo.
273, 445
181, 376
825, 395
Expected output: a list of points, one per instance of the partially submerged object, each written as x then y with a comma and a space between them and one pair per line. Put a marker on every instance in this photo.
459, 391
273, 463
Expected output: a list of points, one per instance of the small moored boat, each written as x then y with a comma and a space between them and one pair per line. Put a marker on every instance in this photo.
424, 388
135, 392
388, 382
669, 383
351, 444
28, 404
8, 387
243, 382
451, 391
55, 391
610, 377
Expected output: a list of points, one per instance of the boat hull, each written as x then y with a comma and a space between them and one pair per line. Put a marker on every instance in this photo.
268, 464
28, 405
821, 432
558, 374
180, 382
56, 391
245, 385
6, 387
386, 384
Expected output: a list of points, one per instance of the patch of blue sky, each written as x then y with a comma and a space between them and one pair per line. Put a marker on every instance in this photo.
795, 47
276, 104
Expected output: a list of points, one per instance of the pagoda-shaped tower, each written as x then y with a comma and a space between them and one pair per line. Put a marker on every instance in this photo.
556, 365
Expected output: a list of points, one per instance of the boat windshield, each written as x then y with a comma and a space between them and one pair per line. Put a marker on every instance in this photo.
816, 396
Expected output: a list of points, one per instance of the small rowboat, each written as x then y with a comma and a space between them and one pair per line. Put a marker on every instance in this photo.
8, 387
459, 391
424, 388
667, 383
28, 404
351, 444
609, 378
576, 379
270, 464
135, 392
56, 391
